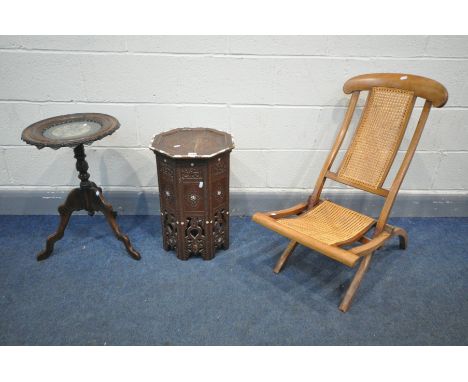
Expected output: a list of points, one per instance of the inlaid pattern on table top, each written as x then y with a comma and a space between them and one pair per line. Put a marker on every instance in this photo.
36, 135
199, 142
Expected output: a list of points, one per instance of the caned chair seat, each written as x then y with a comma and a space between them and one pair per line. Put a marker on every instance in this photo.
330, 224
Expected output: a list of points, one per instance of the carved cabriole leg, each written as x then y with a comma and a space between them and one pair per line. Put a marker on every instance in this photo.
353, 287
73, 203
65, 214
88, 197
287, 252
110, 215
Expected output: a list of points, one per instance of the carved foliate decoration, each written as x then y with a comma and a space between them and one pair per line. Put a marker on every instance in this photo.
219, 224
191, 173
168, 194
219, 193
193, 198
167, 171
170, 230
220, 167
195, 238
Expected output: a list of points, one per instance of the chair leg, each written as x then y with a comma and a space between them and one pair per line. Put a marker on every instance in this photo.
403, 235
287, 252
352, 289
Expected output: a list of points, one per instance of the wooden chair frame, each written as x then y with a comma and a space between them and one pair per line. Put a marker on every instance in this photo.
435, 95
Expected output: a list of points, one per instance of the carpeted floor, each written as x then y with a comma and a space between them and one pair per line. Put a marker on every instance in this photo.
90, 292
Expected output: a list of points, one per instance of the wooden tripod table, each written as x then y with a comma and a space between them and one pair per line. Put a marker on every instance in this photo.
76, 130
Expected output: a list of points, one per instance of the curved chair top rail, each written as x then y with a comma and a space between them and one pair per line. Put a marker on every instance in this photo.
423, 87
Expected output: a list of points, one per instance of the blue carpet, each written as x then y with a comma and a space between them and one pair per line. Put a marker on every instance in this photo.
90, 292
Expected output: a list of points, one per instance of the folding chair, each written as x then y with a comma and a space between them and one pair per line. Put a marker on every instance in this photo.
339, 232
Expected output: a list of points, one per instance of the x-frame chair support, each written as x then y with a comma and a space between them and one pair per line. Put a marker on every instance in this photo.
363, 266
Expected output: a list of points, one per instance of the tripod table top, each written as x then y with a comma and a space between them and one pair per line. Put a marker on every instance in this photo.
70, 130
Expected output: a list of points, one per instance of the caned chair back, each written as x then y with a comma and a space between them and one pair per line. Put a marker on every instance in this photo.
377, 137
379, 133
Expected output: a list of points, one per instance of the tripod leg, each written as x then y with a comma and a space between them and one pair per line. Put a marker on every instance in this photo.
110, 215
65, 214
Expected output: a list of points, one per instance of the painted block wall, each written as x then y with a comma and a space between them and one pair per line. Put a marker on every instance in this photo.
280, 96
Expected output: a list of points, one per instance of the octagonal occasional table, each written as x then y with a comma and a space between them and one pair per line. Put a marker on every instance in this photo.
76, 130
193, 177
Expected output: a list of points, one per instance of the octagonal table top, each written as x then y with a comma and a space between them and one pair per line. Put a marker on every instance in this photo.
187, 142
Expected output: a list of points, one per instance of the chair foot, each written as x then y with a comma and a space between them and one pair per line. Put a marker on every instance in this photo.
352, 289
287, 252
403, 236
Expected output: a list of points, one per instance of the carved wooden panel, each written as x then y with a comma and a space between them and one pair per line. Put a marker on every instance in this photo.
220, 166
166, 177
194, 197
191, 173
220, 226
169, 230
219, 192
195, 237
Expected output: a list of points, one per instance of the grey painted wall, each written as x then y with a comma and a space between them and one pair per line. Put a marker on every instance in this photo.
280, 96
